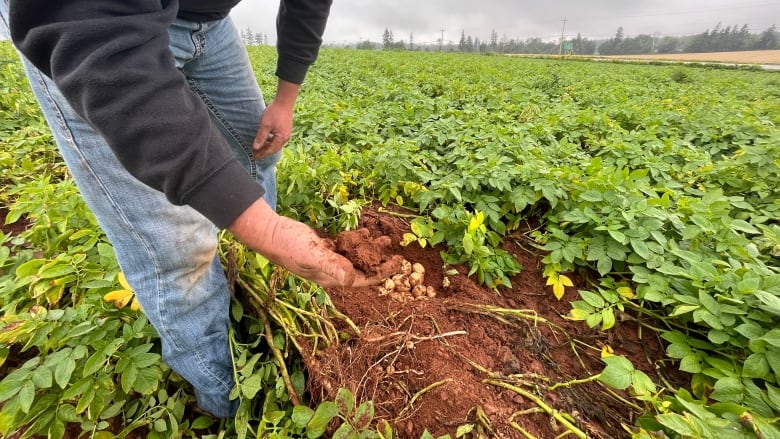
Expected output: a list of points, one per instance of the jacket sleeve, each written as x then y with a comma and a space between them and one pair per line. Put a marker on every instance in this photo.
299, 28
111, 61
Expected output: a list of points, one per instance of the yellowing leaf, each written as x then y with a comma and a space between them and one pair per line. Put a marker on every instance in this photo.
558, 290
559, 284
578, 314
119, 298
607, 351
123, 281
476, 221
408, 239
626, 292
135, 305
564, 280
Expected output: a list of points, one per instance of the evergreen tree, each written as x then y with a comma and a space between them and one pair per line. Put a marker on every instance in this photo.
768, 39
387, 39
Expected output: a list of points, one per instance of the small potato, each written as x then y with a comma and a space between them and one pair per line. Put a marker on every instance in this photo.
383, 291
418, 268
402, 284
430, 292
416, 279
389, 285
406, 267
445, 283
418, 291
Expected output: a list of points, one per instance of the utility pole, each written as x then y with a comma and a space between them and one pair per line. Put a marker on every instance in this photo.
441, 41
560, 46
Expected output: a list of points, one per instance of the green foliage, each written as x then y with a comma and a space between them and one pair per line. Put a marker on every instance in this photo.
668, 191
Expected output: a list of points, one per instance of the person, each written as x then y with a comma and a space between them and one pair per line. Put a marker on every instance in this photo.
158, 115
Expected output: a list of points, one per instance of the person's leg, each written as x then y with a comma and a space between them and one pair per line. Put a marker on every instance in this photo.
220, 72
168, 253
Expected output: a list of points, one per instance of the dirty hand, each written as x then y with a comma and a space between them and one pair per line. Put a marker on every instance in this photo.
296, 247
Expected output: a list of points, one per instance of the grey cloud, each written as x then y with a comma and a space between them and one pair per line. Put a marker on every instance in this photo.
354, 20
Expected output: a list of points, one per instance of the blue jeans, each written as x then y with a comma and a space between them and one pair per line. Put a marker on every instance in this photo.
169, 253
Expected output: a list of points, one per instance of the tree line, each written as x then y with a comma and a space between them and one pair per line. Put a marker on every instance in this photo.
719, 39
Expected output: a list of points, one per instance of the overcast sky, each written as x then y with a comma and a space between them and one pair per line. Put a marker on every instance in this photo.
356, 20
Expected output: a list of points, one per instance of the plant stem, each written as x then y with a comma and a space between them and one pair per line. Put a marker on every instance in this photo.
419, 394
269, 338
574, 382
557, 415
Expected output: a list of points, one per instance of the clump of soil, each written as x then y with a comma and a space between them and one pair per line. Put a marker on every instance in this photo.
458, 357
368, 254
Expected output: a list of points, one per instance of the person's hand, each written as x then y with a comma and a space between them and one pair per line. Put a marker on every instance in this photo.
276, 122
296, 247
275, 130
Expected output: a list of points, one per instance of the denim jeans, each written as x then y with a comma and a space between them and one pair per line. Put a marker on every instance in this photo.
169, 253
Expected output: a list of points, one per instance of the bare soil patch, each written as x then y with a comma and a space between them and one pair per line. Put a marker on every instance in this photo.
742, 57
436, 362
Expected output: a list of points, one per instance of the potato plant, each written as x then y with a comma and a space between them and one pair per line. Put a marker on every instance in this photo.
662, 194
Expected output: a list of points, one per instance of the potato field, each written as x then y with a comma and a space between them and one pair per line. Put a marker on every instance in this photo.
590, 249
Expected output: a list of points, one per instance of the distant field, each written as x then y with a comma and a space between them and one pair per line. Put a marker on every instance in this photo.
747, 57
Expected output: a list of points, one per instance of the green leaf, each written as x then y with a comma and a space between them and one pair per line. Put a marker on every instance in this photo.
129, 376
56, 429
676, 423
642, 384
616, 375
717, 336
202, 422
743, 226
78, 388
322, 415
728, 390
607, 319
591, 195
640, 247
772, 337
26, 396
604, 265
63, 372
773, 394
592, 299
301, 415
148, 380
251, 386
41, 378
618, 236
771, 301
690, 363
56, 271
755, 366
468, 244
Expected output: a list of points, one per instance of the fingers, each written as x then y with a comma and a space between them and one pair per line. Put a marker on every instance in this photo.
361, 280
265, 146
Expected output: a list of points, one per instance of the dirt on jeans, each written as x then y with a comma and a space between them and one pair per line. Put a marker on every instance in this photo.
435, 363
